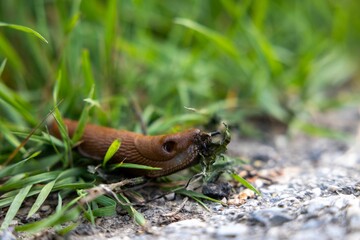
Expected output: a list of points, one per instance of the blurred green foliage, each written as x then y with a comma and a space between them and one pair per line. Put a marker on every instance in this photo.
235, 59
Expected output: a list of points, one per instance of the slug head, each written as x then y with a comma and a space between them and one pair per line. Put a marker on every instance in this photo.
171, 152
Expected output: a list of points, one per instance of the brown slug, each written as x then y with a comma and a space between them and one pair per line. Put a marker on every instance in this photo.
171, 152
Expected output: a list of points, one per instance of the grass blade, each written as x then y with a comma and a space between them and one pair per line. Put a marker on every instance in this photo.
61, 125
138, 217
65, 230
40, 165
196, 195
88, 213
2, 67
107, 211
44, 193
58, 218
16, 101
114, 147
133, 165
245, 183
15, 206
59, 205
87, 71
39, 178
108, 207
23, 29
223, 42
6, 171
84, 117
201, 203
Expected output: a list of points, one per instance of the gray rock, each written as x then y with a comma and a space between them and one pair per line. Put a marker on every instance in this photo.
353, 215
231, 231
271, 216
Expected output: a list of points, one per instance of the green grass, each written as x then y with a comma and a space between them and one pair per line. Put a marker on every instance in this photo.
234, 60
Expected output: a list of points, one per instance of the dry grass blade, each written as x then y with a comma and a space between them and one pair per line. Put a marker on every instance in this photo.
102, 189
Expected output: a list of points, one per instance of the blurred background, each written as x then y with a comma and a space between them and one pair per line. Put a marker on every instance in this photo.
237, 61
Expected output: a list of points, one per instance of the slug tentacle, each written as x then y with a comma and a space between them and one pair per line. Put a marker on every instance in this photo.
171, 153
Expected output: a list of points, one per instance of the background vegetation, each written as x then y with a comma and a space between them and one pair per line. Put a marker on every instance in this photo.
237, 60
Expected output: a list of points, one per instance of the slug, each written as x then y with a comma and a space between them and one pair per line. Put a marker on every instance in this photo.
171, 152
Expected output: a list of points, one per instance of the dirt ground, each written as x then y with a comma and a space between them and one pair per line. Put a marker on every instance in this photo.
310, 190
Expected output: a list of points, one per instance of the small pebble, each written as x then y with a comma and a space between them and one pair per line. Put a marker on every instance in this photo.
45, 208
333, 188
217, 190
231, 231
170, 196
353, 215
316, 192
189, 223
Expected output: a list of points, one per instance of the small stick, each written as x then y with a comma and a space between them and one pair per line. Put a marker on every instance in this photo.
170, 214
190, 186
108, 188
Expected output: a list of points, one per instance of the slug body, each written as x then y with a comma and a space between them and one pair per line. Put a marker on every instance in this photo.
171, 153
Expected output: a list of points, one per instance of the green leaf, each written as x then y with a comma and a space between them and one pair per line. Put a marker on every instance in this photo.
24, 29
114, 147
44, 193
44, 138
2, 67
71, 172
6, 201
220, 40
9, 170
92, 102
72, 22
67, 229
201, 203
39, 178
245, 183
196, 195
35, 154
83, 118
133, 165
10, 137
320, 131
58, 218
57, 87
15, 178
105, 201
87, 72
16, 101
163, 125
59, 205
110, 26
74, 186
104, 211
62, 215
138, 217
89, 213
64, 134
26, 166
62, 186
15, 206
108, 209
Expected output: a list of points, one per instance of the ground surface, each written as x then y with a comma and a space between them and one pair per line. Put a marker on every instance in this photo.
315, 195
